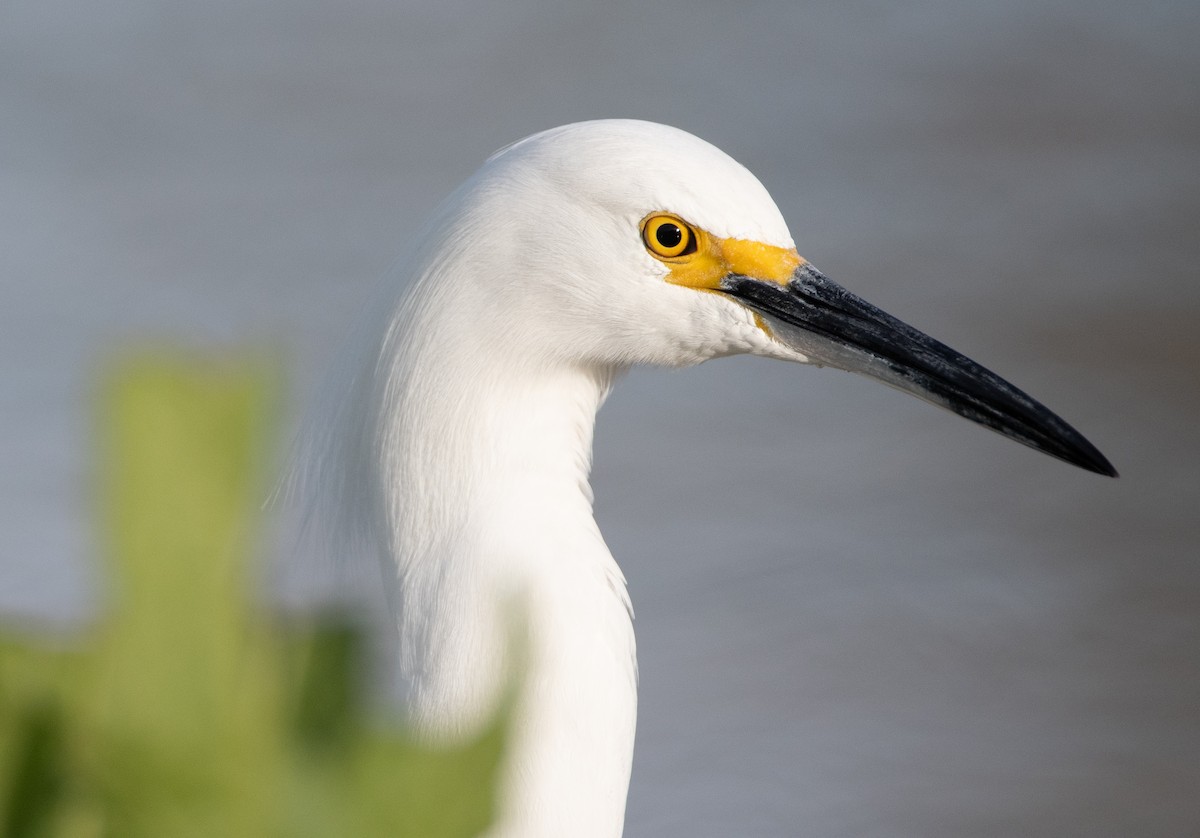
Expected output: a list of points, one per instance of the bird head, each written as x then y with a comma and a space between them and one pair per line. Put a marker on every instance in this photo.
620, 242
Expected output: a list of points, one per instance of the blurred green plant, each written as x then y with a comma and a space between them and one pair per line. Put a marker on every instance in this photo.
190, 711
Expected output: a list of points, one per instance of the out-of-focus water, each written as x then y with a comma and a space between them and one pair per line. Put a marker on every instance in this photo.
857, 615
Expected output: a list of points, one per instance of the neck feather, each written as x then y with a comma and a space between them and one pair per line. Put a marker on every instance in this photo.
484, 513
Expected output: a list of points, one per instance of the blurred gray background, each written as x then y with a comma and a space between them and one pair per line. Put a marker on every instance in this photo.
857, 615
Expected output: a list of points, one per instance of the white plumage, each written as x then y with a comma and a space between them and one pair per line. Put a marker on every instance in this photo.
459, 447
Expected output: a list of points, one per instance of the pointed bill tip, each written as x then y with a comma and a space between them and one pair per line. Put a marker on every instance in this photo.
1096, 462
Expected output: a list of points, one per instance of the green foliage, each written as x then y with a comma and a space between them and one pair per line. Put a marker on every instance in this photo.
189, 711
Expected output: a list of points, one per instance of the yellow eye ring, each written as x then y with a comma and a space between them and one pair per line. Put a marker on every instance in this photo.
668, 236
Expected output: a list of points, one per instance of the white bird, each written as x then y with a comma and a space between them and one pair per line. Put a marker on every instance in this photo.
459, 450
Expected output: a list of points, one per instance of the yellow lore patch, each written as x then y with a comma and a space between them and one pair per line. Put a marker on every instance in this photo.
709, 259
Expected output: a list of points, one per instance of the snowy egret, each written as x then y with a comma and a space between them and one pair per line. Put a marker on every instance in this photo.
460, 449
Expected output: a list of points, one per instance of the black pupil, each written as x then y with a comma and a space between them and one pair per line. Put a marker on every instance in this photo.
669, 235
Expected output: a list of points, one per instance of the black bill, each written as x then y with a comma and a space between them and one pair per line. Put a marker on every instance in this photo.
831, 326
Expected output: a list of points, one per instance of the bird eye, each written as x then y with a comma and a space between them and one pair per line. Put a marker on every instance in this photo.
667, 236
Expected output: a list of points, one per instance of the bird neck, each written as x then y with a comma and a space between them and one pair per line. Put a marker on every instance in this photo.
484, 482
